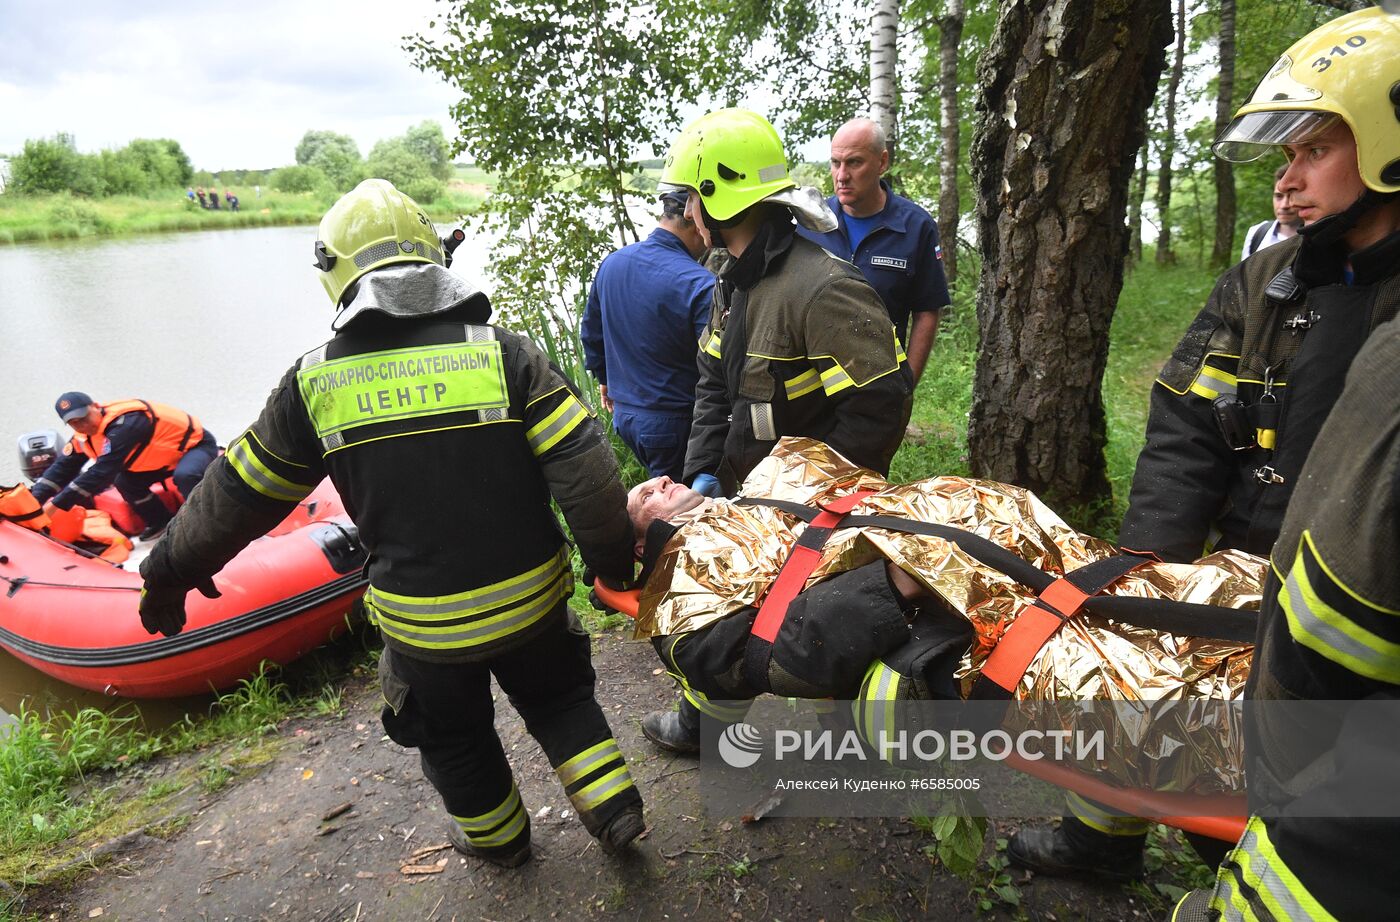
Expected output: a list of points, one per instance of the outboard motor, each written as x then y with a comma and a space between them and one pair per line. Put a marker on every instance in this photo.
37, 450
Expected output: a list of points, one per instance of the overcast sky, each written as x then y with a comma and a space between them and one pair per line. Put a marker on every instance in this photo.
236, 83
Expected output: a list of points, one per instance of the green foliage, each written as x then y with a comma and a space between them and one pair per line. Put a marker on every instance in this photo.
299, 179
427, 142
335, 155
958, 837
394, 160
559, 97
54, 165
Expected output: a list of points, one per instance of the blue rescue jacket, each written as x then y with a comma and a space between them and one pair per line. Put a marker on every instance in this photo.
901, 257
646, 310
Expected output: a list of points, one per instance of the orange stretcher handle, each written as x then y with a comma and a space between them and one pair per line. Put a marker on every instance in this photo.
1170, 808
625, 602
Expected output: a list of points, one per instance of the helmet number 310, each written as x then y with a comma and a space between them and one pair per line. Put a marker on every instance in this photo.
1324, 62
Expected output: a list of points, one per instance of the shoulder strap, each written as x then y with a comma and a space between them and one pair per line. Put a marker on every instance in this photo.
1258, 236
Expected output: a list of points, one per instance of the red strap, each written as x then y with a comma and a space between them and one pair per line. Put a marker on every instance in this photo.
801, 562
1033, 628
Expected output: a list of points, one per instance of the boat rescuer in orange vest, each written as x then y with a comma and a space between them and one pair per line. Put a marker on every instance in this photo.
132, 444
469, 573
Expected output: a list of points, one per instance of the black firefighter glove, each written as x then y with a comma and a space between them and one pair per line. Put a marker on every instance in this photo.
163, 607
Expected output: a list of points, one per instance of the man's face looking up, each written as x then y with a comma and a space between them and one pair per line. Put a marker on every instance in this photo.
659, 498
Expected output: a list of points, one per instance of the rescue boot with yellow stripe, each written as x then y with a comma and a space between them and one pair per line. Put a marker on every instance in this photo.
1076, 850
674, 731
510, 856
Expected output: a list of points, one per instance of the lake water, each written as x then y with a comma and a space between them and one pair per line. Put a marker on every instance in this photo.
206, 321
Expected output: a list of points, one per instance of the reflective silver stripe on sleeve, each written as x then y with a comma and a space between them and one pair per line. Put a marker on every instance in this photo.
761, 415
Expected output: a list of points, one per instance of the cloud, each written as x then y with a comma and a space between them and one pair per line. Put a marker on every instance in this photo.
237, 84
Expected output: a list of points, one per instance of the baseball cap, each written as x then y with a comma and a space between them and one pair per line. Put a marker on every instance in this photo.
673, 202
72, 404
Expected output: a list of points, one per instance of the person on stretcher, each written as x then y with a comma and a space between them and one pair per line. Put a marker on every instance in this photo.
910, 595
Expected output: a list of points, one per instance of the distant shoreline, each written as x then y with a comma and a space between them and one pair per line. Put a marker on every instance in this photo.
41, 218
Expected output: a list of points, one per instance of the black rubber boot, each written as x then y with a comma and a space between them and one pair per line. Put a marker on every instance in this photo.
1074, 849
674, 731
622, 829
501, 857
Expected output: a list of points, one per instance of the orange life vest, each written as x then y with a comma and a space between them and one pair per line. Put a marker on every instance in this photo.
90, 526
174, 433
18, 505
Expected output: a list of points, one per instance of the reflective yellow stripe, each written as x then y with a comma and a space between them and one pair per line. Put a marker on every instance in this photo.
251, 470
590, 759
835, 380
602, 790
1212, 382
1105, 820
482, 830
711, 345
803, 384
899, 355
477, 616
545, 434
1265, 437
1263, 871
1329, 632
252, 434
727, 713
874, 710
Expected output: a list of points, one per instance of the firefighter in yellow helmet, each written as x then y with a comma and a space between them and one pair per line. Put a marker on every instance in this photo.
798, 343
1238, 406
447, 437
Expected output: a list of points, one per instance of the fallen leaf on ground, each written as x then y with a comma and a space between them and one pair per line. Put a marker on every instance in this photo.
94, 913
307, 774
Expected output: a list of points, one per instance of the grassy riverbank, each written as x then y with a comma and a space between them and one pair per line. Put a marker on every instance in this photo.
26, 219
69, 782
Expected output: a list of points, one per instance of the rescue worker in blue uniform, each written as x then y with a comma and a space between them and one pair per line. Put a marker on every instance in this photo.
447, 437
132, 444
1238, 406
891, 240
646, 310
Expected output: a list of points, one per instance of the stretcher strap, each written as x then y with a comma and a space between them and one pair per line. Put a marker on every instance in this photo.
802, 560
1059, 602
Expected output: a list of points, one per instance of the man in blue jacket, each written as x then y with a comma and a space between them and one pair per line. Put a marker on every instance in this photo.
646, 310
891, 240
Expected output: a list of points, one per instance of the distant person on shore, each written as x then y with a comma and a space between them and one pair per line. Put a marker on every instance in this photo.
189, 193
200, 192
231, 199
257, 192
132, 444
214, 199
1285, 224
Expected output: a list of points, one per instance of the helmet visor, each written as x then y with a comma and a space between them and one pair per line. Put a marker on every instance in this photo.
1251, 136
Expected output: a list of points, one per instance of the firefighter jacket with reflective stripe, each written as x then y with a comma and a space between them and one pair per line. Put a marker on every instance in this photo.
1329, 630
134, 435
1238, 405
798, 343
446, 441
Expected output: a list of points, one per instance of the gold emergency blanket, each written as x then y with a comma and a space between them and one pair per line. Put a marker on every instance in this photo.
726, 556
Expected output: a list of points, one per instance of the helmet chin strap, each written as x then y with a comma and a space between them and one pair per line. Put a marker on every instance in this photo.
1329, 230
717, 227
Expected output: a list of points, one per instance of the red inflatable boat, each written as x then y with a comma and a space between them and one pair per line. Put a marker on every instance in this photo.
75, 617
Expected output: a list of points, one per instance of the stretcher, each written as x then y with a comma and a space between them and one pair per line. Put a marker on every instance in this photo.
1218, 817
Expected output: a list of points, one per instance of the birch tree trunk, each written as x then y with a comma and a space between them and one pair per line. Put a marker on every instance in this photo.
884, 62
1223, 252
1165, 256
1135, 210
950, 27
1065, 87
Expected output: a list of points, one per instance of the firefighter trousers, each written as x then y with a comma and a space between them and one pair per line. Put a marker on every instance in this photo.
445, 711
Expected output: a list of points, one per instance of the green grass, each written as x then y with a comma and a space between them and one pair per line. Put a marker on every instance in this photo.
27, 219
1154, 309
60, 776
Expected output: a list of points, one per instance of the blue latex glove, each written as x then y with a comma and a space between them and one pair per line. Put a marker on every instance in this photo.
707, 485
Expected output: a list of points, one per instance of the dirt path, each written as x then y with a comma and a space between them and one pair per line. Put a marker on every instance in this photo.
260, 848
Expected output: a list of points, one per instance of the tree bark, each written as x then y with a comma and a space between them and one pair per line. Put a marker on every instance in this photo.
1135, 210
1061, 116
884, 61
950, 27
1165, 256
1223, 253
